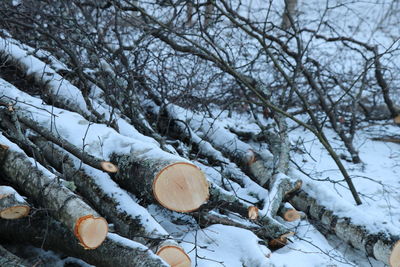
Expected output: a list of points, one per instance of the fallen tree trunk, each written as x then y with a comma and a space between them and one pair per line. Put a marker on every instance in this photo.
253, 164
12, 204
7, 259
381, 246
134, 223
85, 157
43, 231
176, 185
257, 166
44, 188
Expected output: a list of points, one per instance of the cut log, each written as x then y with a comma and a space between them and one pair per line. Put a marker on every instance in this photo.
173, 255
253, 212
178, 186
12, 204
43, 231
282, 188
7, 259
43, 187
133, 222
85, 157
146, 167
258, 167
384, 247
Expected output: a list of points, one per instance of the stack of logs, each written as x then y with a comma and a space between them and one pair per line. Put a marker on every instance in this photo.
176, 185
46, 168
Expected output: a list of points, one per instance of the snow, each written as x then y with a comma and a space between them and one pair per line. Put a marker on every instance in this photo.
13, 147
375, 179
8, 190
33, 66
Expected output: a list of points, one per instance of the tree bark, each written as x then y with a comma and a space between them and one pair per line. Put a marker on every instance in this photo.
85, 157
43, 231
12, 204
384, 247
44, 188
7, 259
176, 185
128, 223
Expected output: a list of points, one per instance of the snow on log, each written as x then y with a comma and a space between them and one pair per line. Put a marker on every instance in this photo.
45, 232
145, 169
240, 183
272, 229
7, 259
382, 246
85, 157
12, 205
130, 219
41, 185
258, 166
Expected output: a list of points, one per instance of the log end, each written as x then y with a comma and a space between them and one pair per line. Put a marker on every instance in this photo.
279, 242
396, 120
181, 187
291, 215
108, 167
91, 231
174, 256
15, 212
253, 213
394, 258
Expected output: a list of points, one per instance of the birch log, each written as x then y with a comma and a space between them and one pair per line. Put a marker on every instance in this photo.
12, 204
130, 224
146, 171
85, 157
258, 166
44, 188
384, 247
176, 185
45, 232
